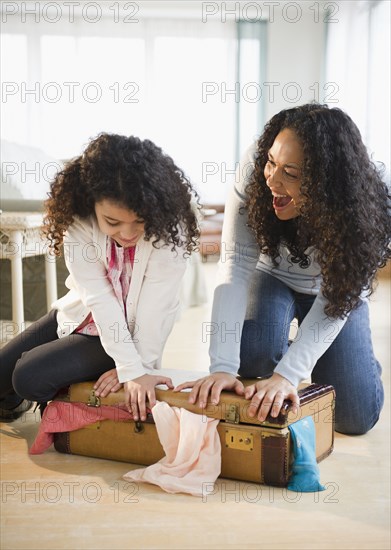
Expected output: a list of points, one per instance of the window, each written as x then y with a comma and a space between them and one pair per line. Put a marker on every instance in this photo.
165, 80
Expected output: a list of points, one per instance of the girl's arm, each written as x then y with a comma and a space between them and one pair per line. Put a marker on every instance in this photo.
155, 315
158, 303
136, 355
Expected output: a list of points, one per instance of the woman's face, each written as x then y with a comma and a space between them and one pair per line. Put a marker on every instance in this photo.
283, 174
119, 223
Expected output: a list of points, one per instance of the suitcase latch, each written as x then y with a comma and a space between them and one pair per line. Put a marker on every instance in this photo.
93, 400
232, 415
239, 439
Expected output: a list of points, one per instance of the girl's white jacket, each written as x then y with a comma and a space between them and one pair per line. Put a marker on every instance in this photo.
136, 345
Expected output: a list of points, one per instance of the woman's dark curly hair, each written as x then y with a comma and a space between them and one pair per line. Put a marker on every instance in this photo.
346, 211
132, 173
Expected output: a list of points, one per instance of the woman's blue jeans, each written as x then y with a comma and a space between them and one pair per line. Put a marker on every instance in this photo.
349, 363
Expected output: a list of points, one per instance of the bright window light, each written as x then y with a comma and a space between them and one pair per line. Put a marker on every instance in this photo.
13, 67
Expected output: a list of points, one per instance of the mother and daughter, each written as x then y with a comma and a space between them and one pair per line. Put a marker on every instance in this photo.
307, 225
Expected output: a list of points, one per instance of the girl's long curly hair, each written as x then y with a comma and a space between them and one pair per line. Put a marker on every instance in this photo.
132, 173
346, 212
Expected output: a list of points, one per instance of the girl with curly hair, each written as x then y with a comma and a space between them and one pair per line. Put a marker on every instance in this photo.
307, 226
122, 214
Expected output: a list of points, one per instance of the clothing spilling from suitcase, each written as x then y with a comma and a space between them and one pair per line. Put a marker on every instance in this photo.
184, 449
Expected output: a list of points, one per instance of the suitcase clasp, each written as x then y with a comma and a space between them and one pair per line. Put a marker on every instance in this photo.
233, 414
138, 427
93, 400
239, 439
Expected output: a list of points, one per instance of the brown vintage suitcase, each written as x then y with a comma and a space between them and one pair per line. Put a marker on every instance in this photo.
250, 450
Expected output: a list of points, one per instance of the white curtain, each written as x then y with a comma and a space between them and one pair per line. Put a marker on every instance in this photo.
358, 63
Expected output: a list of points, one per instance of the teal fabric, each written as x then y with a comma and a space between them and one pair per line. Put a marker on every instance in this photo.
305, 470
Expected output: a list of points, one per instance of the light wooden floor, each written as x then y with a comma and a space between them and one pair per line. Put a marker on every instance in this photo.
54, 501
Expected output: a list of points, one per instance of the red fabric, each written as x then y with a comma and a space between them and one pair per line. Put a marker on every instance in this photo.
60, 416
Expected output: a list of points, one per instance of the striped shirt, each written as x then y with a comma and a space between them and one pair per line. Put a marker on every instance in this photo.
119, 273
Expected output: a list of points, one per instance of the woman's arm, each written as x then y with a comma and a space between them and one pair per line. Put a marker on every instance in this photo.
238, 259
315, 335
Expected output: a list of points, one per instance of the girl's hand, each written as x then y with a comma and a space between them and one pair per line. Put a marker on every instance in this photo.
140, 390
268, 396
213, 385
107, 383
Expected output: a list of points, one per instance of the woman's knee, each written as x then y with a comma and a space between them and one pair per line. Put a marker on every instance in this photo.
358, 422
356, 427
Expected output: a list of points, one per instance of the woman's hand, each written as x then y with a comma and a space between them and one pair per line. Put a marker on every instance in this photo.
140, 390
211, 385
107, 383
268, 396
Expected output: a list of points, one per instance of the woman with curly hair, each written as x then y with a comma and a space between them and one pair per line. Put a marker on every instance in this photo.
307, 226
122, 214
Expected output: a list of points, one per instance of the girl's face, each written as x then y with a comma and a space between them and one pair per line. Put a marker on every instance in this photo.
283, 174
119, 223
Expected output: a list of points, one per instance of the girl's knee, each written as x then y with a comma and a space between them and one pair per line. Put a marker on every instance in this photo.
25, 380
